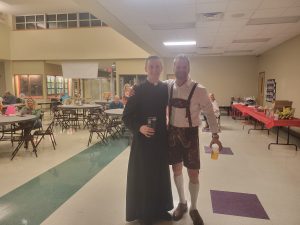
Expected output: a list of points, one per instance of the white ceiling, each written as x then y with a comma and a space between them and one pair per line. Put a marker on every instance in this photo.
134, 19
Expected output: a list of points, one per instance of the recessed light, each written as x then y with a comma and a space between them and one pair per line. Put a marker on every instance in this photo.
179, 43
208, 17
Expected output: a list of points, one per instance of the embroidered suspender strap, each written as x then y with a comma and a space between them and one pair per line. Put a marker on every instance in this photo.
188, 111
170, 98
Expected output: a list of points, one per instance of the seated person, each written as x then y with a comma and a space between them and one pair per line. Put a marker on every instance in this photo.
30, 109
116, 103
63, 97
126, 93
215, 108
21, 99
9, 99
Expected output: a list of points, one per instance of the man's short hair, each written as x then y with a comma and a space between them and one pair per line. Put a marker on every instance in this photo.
182, 56
152, 57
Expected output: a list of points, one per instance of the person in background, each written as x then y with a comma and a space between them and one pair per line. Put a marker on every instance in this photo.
30, 109
126, 93
149, 193
215, 108
9, 99
1, 105
63, 97
116, 103
22, 98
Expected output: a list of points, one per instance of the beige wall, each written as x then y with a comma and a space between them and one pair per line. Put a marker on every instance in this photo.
283, 64
4, 41
53, 69
9, 81
28, 67
129, 67
64, 44
225, 76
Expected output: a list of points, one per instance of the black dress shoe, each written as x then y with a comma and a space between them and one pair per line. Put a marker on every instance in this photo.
196, 218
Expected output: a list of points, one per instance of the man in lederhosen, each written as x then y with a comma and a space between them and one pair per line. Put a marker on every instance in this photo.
186, 100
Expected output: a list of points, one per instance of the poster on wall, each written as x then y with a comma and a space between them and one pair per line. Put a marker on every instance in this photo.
271, 90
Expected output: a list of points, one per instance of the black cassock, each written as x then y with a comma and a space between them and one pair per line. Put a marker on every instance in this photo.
148, 177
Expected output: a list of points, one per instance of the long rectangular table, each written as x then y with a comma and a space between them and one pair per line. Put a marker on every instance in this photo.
269, 122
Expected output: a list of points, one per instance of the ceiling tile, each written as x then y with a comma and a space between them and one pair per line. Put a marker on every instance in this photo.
210, 27
187, 34
236, 5
264, 13
295, 11
250, 32
272, 30
296, 3
269, 4
211, 7
186, 13
236, 15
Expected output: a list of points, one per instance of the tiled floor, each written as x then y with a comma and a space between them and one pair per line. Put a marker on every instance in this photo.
272, 175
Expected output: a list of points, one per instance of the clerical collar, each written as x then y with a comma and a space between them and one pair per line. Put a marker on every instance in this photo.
156, 83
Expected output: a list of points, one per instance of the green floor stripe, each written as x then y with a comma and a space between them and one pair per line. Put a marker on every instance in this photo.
34, 201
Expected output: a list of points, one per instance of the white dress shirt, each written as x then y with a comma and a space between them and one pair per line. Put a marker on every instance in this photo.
199, 102
216, 108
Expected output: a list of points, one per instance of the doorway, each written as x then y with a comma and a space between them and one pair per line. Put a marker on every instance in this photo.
261, 88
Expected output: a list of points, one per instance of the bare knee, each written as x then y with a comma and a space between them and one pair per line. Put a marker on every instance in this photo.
194, 176
177, 169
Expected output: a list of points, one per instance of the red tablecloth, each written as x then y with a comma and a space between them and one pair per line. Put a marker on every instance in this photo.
269, 122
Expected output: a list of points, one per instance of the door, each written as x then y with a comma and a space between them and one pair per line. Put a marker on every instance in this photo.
261, 88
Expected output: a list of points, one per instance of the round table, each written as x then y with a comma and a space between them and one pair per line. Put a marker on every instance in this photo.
81, 111
83, 106
114, 112
4, 120
103, 103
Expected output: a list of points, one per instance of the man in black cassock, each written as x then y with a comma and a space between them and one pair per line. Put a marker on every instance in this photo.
149, 195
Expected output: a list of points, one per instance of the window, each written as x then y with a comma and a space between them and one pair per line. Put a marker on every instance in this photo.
84, 16
96, 23
72, 16
30, 85
54, 21
62, 17
57, 85
84, 23
31, 22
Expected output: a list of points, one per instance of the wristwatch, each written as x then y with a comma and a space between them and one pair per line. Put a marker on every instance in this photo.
215, 135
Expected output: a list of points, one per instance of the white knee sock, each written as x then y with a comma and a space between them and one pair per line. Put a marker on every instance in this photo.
194, 190
180, 188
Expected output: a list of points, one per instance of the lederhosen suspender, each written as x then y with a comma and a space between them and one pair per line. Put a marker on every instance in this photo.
182, 103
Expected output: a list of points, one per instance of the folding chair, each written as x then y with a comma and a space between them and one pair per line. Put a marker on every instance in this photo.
42, 133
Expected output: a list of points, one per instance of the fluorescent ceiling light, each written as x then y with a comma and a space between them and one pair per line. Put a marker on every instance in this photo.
238, 51
273, 20
179, 43
254, 40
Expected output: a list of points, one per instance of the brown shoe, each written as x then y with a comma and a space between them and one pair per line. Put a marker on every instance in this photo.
179, 211
197, 220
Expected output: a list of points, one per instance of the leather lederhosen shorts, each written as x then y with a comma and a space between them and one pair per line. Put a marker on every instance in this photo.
184, 146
